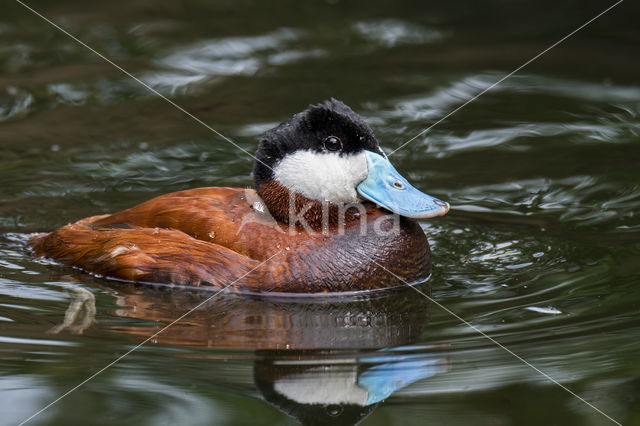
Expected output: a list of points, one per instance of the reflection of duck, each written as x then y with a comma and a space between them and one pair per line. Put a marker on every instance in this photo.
382, 319
336, 391
312, 172
325, 361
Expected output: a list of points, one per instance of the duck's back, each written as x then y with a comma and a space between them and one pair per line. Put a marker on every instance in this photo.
225, 237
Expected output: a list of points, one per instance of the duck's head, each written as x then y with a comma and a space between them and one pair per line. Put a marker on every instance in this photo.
328, 157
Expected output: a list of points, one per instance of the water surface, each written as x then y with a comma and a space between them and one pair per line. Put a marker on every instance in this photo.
540, 250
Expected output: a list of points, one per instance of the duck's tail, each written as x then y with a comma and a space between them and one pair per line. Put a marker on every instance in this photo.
146, 255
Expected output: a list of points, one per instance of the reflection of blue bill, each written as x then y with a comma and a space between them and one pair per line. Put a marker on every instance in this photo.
351, 384
400, 371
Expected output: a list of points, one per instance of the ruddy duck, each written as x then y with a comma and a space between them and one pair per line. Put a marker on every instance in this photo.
329, 214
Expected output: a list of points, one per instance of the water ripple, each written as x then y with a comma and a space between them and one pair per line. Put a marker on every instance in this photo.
438, 102
617, 123
209, 60
15, 103
393, 32
585, 200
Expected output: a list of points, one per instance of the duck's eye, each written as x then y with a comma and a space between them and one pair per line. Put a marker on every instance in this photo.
332, 143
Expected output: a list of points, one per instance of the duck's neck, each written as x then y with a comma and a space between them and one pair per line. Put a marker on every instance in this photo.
295, 209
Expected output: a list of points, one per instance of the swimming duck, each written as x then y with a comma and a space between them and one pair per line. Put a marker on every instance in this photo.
329, 213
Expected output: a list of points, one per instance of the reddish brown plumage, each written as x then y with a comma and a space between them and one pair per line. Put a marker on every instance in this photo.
213, 236
300, 210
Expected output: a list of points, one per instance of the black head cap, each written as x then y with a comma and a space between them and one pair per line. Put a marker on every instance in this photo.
311, 130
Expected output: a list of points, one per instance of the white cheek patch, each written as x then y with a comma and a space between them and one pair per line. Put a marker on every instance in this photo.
323, 176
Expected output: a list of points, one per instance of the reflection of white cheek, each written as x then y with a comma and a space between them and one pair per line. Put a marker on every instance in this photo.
320, 385
323, 176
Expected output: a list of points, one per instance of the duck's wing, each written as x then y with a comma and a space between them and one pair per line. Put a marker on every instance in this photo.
148, 255
218, 215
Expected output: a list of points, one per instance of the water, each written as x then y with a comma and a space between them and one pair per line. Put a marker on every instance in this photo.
539, 252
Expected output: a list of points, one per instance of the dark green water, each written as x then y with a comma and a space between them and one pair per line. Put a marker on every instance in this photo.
540, 250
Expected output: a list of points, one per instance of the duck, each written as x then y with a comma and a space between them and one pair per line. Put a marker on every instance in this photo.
328, 213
